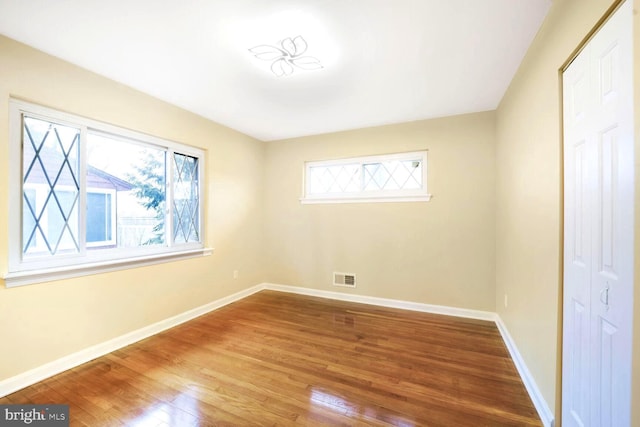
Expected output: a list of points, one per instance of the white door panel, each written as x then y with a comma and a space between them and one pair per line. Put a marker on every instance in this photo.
577, 248
598, 228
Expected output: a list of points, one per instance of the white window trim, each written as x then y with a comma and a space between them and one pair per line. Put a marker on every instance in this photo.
382, 196
29, 277
89, 262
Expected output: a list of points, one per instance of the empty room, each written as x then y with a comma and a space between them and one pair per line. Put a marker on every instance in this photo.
363, 212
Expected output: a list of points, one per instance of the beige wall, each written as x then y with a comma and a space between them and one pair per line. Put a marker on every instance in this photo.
40, 323
436, 252
529, 199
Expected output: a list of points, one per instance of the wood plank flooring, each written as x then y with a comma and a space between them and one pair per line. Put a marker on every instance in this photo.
282, 359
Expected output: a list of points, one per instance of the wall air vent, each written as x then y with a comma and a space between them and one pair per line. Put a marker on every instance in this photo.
344, 279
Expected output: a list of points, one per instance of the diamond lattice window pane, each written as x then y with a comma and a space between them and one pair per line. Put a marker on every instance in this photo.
414, 178
29, 218
50, 188
186, 200
400, 175
334, 179
393, 175
375, 176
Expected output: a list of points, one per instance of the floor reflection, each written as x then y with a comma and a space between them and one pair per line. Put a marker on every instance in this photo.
341, 405
180, 412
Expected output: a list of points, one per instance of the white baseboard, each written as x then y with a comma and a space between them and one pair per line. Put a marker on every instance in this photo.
532, 388
50, 369
384, 302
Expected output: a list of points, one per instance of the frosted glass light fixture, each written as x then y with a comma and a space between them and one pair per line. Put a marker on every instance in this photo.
287, 56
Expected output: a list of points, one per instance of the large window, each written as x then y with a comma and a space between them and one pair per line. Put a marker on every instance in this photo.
93, 193
383, 178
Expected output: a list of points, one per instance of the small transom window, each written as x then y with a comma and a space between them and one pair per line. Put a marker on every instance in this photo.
383, 178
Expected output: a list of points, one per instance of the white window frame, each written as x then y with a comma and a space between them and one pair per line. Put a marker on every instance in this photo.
371, 196
26, 271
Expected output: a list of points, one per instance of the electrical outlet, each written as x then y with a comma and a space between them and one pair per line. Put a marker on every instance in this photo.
505, 301
235, 274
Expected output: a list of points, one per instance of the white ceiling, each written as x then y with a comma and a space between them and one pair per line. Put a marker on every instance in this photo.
384, 61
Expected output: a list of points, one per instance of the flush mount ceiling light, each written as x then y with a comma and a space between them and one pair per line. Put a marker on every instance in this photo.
287, 57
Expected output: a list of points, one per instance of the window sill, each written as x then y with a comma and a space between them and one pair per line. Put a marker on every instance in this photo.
46, 275
387, 199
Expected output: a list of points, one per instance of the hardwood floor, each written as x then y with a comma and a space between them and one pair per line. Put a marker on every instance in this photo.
284, 359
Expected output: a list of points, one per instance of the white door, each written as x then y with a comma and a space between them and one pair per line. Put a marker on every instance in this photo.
598, 228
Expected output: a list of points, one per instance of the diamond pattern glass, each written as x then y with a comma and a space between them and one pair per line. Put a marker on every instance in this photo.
393, 175
51, 188
356, 177
186, 199
335, 179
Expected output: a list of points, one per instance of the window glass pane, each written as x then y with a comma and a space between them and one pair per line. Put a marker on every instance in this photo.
186, 200
393, 175
131, 180
57, 221
99, 219
50, 188
28, 219
414, 177
334, 179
